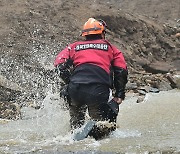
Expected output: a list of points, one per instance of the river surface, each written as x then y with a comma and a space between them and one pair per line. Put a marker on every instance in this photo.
152, 126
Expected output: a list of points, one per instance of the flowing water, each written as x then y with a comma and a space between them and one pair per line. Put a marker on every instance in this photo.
152, 126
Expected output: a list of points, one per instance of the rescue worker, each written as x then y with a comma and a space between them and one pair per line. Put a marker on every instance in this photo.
98, 66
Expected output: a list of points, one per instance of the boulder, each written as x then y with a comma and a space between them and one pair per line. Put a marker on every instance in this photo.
158, 67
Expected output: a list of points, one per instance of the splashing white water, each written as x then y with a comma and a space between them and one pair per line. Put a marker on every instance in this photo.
149, 126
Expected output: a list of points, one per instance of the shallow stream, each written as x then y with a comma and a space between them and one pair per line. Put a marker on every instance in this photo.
152, 126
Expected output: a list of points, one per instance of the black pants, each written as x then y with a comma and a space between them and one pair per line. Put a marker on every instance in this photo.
93, 97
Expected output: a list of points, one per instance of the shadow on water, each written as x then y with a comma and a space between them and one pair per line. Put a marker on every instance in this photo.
150, 126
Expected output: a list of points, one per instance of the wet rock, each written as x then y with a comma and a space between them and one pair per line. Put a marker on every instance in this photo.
9, 110
140, 99
141, 92
154, 90
145, 88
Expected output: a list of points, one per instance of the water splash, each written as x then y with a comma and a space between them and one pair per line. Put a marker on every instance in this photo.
125, 133
143, 127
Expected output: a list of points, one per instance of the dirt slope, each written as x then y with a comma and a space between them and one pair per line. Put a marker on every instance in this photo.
164, 11
32, 32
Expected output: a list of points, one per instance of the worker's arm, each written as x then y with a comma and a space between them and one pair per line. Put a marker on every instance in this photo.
120, 75
63, 65
120, 80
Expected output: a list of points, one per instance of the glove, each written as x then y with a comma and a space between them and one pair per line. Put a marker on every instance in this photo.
114, 106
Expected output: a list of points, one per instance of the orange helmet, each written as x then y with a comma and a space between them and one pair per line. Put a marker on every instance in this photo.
93, 26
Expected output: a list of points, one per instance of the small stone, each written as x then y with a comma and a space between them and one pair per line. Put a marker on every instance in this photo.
145, 88
142, 92
154, 90
140, 99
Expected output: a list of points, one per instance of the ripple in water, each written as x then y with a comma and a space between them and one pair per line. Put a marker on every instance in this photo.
150, 126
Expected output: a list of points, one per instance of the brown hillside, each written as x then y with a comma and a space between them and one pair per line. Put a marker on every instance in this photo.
32, 32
